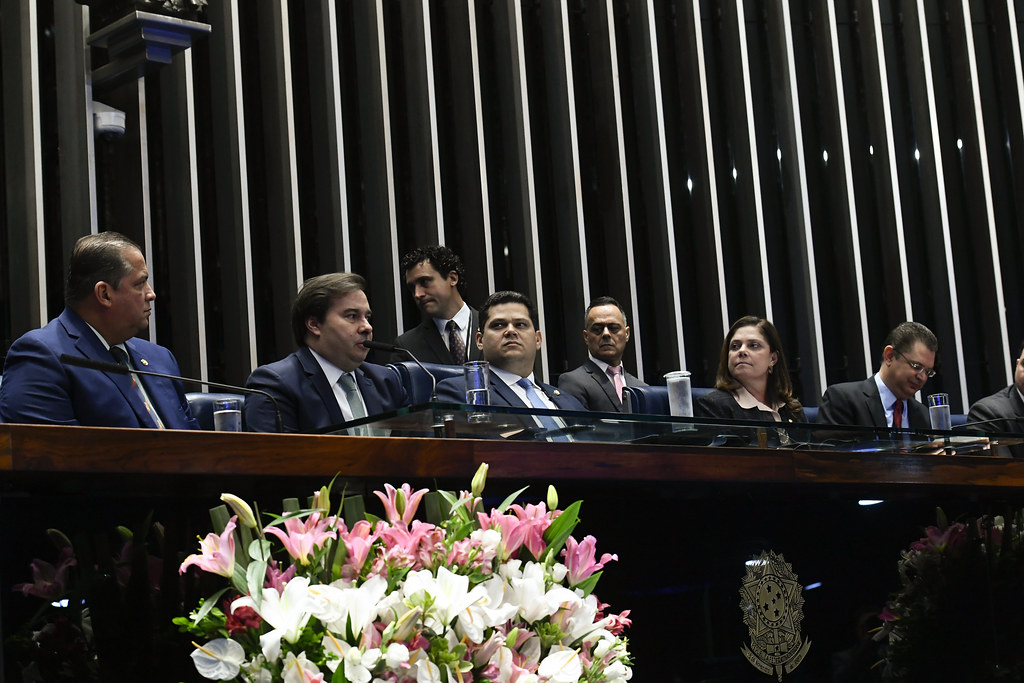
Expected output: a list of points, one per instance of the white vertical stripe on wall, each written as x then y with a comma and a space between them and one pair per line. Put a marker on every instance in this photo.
337, 141
814, 314
389, 161
755, 181
534, 269
33, 143
670, 231
238, 100
435, 154
851, 200
986, 180
570, 88
147, 209
627, 222
940, 179
485, 202
890, 150
197, 238
709, 155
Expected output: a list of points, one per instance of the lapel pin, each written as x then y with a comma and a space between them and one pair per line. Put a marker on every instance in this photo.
144, 361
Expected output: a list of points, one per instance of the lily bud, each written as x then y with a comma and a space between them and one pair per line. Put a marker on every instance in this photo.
404, 628
322, 500
552, 498
240, 508
479, 480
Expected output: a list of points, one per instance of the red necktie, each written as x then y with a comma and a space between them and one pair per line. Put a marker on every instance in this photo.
897, 414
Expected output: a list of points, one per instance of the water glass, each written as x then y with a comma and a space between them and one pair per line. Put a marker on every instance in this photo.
227, 415
680, 400
938, 411
478, 386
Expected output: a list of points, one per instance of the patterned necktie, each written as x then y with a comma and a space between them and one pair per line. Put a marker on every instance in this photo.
122, 358
355, 404
545, 421
897, 414
616, 374
455, 343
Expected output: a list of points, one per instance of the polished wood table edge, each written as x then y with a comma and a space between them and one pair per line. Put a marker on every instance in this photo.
27, 450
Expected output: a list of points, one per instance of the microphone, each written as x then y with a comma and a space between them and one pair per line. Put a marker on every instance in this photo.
985, 422
381, 346
118, 369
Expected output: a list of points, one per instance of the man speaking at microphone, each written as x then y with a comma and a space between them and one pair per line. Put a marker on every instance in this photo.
108, 301
327, 381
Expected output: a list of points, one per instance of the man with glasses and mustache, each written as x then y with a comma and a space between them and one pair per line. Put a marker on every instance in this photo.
327, 381
887, 398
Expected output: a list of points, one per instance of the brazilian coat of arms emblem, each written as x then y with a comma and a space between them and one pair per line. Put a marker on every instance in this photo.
772, 603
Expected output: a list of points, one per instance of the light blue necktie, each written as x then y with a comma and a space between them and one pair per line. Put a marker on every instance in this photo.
348, 383
545, 421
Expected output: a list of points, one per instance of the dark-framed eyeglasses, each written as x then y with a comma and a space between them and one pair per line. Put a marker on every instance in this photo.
917, 367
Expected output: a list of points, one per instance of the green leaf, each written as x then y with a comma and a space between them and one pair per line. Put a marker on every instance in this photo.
587, 585
254, 579
562, 527
508, 501
290, 505
210, 603
355, 510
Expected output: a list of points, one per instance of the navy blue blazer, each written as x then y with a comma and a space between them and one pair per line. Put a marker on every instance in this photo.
38, 389
307, 401
453, 390
424, 341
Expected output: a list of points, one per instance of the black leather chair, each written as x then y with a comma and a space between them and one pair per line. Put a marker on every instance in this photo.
417, 383
653, 400
201, 404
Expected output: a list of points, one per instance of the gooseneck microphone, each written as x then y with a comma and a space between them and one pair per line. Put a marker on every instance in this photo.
391, 348
118, 369
985, 422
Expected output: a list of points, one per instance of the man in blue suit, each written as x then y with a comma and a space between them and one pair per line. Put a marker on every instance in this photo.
327, 381
509, 340
108, 301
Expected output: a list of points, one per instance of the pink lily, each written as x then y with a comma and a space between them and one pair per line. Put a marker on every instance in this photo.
301, 537
49, 582
400, 504
579, 559
218, 552
358, 543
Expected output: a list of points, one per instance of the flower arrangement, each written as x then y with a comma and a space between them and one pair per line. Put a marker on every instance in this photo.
473, 596
959, 614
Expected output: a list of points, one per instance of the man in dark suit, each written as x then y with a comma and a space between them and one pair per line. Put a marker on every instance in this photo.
108, 300
509, 341
326, 382
599, 381
1006, 406
434, 276
887, 398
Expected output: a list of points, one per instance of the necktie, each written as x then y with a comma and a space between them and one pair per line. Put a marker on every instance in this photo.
897, 414
616, 374
545, 421
456, 345
355, 404
122, 358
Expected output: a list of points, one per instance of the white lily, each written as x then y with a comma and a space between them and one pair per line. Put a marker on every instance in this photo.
341, 607
294, 668
442, 597
488, 611
562, 665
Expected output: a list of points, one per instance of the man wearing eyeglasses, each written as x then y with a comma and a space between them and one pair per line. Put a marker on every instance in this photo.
887, 398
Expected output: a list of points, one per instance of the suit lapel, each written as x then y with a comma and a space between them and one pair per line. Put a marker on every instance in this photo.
370, 397
433, 338
472, 352
605, 382
90, 346
315, 375
505, 393
873, 403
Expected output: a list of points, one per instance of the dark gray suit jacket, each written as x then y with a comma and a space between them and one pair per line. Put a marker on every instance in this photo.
1004, 403
858, 403
593, 388
425, 342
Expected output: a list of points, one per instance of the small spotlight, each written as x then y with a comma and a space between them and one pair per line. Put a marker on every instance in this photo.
868, 501
812, 586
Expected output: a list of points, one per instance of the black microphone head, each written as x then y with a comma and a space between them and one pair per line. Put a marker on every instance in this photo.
379, 346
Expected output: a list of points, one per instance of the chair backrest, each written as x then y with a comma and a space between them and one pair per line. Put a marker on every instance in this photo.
417, 383
654, 400
201, 404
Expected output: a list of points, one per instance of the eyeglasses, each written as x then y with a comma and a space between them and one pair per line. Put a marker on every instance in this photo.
917, 367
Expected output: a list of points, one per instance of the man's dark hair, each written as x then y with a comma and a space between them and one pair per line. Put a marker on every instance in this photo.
507, 297
315, 297
441, 258
605, 301
905, 335
97, 258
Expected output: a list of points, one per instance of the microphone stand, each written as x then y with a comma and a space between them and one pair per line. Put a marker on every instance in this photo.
118, 369
438, 426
